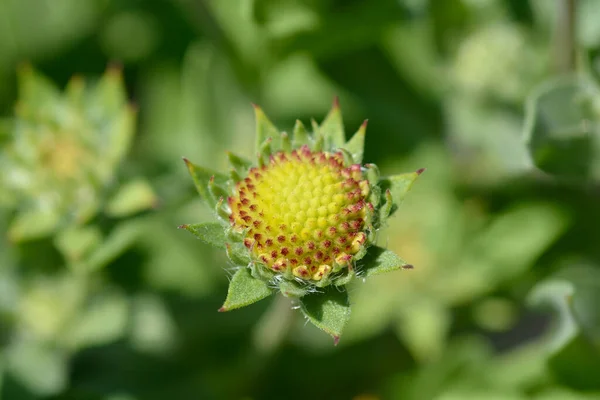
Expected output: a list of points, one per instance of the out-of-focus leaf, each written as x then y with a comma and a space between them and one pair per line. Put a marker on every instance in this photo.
379, 260
244, 290
562, 128
133, 197
153, 330
209, 232
32, 224
76, 242
38, 95
103, 321
328, 310
574, 346
119, 240
39, 367
201, 177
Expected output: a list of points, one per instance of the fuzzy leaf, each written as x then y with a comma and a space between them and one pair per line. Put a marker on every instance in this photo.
244, 290
328, 310
356, 144
201, 177
332, 127
131, 198
379, 260
209, 232
264, 128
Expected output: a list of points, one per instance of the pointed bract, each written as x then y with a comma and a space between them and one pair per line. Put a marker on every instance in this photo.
328, 310
264, 127
332, 127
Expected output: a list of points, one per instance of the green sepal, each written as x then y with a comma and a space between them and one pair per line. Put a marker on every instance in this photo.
372, 174
131, 198
222, 211
332, 127
286, 143
38, 96
238, 254
211, 233
264, 128
217, 190
328, 310
261, 271
239, 163
399, 185
379, 260
265, 152
345, 279
386, 209
356, 144
202, 177
300, 135
292, 289
348, 159
244, 290
319, 142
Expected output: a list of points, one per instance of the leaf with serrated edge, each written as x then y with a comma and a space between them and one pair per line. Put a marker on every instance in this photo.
209, 232
379, 260
244, 290
332, 127
328, 310
201, 177
356, 144
264, 128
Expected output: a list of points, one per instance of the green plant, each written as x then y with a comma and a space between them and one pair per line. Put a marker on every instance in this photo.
302, 219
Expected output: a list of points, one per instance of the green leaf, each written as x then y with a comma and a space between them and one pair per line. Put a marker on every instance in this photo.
328, 310
356, 144
561, 128
201, 177
398, 185
244, 290
574, 344
32, 224
264, 128
115, 244
77, 242
131, 198
332, 127
38, 96
379, 260
211, 233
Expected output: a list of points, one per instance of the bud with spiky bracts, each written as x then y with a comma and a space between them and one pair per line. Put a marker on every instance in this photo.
302, 219
62, 152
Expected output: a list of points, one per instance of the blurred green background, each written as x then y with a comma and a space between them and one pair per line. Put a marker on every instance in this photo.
101, 297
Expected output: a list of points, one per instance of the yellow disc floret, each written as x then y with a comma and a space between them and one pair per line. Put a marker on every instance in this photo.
304, 212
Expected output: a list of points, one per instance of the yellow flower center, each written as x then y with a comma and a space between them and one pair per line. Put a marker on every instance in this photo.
304, 212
